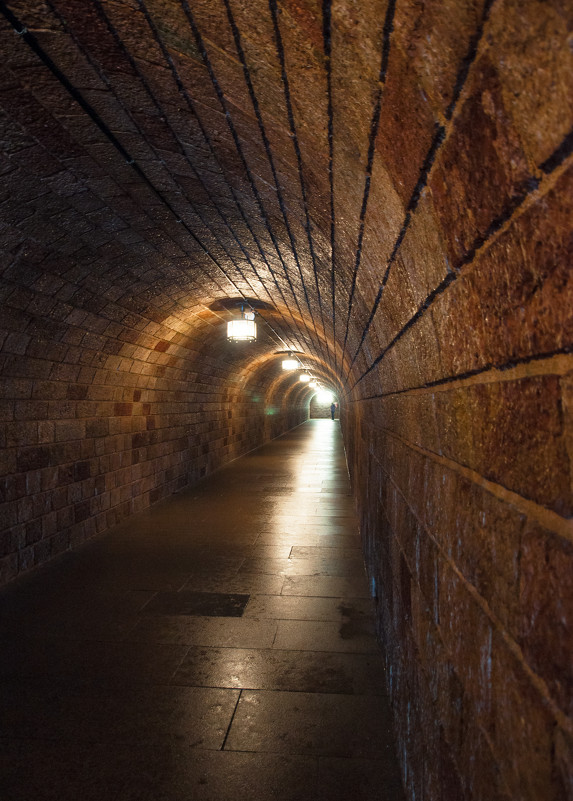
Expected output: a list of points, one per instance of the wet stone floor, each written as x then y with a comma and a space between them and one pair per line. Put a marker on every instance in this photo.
217, 647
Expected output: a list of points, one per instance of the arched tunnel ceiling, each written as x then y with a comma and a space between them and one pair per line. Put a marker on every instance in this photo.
160, 155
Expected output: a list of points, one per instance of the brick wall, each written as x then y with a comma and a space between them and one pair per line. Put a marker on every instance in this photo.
100, 420
393, 182
458, 421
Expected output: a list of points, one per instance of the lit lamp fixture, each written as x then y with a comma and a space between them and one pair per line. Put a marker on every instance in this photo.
290, 364
304, 377
314, 384
243, 330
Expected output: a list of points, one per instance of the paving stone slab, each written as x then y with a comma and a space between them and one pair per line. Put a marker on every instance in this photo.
265, 669
310, 724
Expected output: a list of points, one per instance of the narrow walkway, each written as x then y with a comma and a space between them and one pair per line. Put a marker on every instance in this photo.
217, 647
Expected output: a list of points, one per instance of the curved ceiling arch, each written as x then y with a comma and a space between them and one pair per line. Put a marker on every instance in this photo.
165, 158
197, 208
390, 183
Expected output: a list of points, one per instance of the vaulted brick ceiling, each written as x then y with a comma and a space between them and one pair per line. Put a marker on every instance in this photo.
390, 184
162, 155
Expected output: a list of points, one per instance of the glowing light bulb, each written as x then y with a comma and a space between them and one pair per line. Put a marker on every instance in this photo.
324, 396
241, 330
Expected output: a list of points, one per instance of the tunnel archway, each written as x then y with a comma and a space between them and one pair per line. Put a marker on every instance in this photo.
390, 185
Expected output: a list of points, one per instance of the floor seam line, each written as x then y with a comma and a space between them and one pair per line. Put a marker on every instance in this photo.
231, 721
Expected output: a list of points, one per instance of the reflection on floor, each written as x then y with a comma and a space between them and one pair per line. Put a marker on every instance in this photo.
218, 647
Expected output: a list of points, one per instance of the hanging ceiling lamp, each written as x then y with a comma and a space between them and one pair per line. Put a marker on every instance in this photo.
304, 377
290, 364
244, 329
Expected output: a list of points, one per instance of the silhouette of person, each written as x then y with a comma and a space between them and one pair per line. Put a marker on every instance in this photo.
332, 410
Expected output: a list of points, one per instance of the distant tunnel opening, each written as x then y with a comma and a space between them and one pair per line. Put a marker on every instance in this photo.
321, 403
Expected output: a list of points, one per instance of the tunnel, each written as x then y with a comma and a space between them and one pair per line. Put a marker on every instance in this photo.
387, 185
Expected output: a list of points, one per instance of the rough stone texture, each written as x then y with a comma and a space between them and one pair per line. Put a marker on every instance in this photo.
390, 184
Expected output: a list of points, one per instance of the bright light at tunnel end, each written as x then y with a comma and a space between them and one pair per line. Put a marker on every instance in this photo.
325, 396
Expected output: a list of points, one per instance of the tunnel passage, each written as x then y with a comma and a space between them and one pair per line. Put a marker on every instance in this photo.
392, 182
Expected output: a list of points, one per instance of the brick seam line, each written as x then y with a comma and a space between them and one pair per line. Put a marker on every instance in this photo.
536, 681
439, 137
290, 114
178, 82
545, 364
135, 203
191, 105
223, 744
236, 140
35, 46
269, 153
327, 45
545, 698
522, 203
387, 31
561, 526
147, 88
21, 29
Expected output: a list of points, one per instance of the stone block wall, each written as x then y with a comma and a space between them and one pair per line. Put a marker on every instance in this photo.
458, 422
472, 583
100, 419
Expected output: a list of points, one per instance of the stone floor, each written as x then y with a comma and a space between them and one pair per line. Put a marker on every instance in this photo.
218, 647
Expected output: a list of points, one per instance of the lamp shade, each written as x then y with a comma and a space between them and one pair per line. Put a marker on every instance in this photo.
241, 330
290, 364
